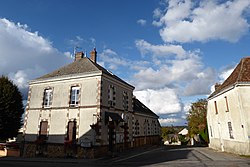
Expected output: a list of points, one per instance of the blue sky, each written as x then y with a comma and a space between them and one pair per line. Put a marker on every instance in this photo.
172, 51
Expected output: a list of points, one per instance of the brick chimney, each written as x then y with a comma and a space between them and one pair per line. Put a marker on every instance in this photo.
93, 55
216, 86
79, 55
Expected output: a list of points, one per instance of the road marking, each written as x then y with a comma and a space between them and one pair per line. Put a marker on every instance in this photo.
137, 155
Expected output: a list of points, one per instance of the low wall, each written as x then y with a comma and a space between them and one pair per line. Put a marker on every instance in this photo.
60, 150
236, 147
7, 150
146, 140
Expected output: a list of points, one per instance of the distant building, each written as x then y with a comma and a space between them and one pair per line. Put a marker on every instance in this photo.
83, 110
183, 132
228, 115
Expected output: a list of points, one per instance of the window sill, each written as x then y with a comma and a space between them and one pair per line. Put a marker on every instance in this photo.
47, 107
73, 106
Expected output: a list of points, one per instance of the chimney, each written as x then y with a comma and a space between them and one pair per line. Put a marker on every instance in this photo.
79, 55
216, 86
93, 55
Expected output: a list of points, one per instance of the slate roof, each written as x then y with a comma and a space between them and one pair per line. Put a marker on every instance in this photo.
84, 65
139, 107
241, 74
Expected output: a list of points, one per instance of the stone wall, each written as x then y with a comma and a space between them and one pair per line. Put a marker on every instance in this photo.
146, 140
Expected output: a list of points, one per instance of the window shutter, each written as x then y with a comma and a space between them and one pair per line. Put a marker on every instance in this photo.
71, 130
43, 128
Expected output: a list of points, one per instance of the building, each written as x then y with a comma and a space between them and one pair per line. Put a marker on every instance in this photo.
228, 112
84, 110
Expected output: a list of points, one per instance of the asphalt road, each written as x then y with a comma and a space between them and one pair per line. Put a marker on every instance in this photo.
155, 156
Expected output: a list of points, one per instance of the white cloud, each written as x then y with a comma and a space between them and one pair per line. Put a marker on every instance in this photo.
222, 76
142, 22
225, 74
162, 101
176, 73
159, 50
200, 85
186, 21
157, 13
25, 55
81, 43
170, 121
111, 58
20, 78
180, 68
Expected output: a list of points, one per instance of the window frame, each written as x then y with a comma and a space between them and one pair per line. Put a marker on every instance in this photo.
227, 107
74, 96
47, 97
230, 130
216, 107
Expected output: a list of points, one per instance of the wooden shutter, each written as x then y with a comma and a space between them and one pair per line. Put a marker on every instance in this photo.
71, 130
43, 128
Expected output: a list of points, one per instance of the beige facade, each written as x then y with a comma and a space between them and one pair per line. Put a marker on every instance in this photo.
228, 115
82, 110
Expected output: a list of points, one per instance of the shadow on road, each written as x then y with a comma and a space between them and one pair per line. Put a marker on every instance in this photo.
152, 156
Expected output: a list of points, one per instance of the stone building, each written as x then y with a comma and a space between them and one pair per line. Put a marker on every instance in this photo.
228, 114
83, 110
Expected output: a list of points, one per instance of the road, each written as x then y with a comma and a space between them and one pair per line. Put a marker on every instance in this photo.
156, 156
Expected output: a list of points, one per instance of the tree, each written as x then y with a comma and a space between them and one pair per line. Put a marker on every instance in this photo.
197, 119
11, 109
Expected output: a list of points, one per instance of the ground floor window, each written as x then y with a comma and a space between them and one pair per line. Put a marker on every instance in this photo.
230, 130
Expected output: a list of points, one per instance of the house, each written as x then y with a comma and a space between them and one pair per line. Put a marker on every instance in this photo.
83, 110
183, 132
228, 112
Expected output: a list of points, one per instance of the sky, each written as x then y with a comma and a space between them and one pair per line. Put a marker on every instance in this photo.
172, 51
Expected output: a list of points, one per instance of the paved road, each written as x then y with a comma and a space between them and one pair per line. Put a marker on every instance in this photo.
188, 157
156, 156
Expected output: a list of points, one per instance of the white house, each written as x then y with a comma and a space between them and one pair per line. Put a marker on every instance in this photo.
83, 110
228, 112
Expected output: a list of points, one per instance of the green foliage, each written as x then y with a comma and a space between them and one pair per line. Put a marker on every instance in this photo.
167, 130
204, 135
197, 121
11, 109
183, 140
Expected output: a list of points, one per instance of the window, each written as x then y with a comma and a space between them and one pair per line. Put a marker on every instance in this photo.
211, 132
43, 130
230, 130
125, 100
215, 106
137, 128
71, 131
227, 108
74, 96
146, 127
111, 95
47, 98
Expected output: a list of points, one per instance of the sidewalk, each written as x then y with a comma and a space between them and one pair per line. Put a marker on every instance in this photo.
208, 152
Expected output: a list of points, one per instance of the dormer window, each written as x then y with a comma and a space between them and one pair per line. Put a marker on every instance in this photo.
47, 98
74, 95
